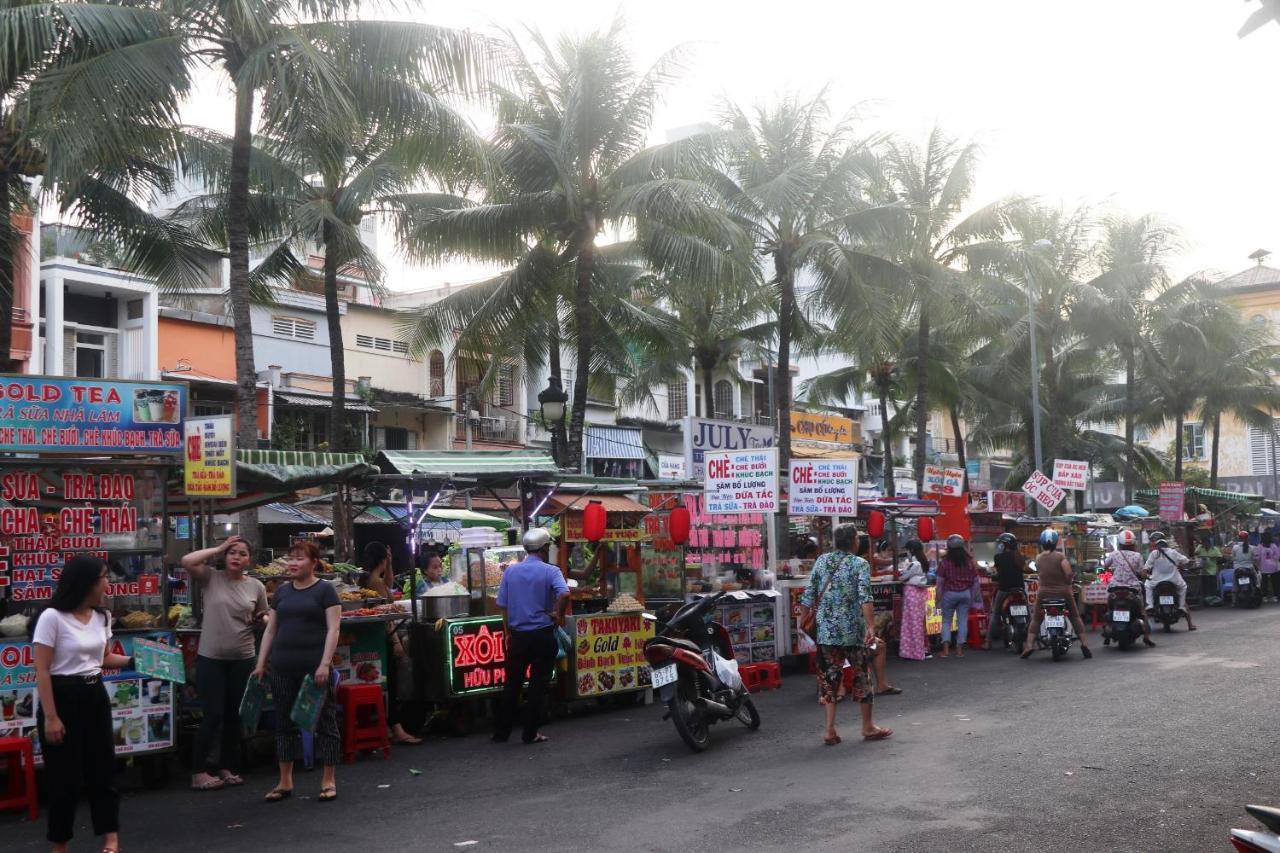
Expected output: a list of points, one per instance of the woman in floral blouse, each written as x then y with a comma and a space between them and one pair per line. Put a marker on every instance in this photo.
840, 589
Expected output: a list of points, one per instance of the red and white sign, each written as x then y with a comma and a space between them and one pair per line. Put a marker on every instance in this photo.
1043, 491
823, 487
1071, 475
1013, 503
1173, 501
741, 481
943, 481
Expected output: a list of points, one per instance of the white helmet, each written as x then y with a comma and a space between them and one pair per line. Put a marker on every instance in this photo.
535, 539
1126, 537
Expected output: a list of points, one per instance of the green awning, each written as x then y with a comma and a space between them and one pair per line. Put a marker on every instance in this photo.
290, 470
444, 464
1207, 494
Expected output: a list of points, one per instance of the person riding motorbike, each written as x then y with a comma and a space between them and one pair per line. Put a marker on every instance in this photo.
1127, 571
1054, 570
1010, 577
1163, 564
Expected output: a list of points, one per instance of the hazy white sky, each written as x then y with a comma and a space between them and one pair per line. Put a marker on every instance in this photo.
1139, 105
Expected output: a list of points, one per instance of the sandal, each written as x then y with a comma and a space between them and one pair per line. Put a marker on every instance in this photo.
407, 740
1026, 654
213, 783
275, 795
231, 779
831, 741
890, 691
328, 794
879, 734
537, 739
1191, 627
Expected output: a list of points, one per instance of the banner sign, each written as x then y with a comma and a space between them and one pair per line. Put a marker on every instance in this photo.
828, 428
1043, 491
703, 436
609, 653
823, 487
475, 656
1011, 503
943, 481
41, 414
1071, 475
209, 464
1173, 500
671, 467
741, 481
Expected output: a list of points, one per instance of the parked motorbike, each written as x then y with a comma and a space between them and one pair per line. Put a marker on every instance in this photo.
1014, 618
1056, 632
1259, 841
692, 672
1165, 601
1124, 617
1247, 588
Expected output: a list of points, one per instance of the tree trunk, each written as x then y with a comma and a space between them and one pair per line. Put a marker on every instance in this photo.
707, 369
1177, 448
958, 434
238, 293
582, 366
558, 444
8, 258
1130, 412
786, 315
1213, 463
922, 396
887, 439
337, 356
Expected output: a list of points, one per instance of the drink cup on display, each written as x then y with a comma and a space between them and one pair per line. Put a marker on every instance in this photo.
8, 704
141, 407
153, 691
170, 407
155, 403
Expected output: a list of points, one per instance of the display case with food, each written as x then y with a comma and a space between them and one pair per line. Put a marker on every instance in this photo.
609, 649
496, 561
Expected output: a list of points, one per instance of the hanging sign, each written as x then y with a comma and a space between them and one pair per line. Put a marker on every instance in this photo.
475, 656
1012, 503
742, 481
671, 467
703, 436
1071, 475
823, 487
209, 463
1173, 501
832, 429
41, 414
943, 481
1043, 491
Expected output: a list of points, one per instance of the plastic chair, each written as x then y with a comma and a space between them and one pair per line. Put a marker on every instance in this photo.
364, 720
1226, 582
21, 791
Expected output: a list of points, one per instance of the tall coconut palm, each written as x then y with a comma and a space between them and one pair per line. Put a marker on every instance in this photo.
1241, 386
571, 165
934, 183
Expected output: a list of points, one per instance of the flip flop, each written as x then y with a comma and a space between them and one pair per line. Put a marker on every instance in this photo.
328, 794
889, 691
275, 795
537, 739
880, 734
1027, 654
408, 740
1191, 627
232, 780
211, 785
831, 741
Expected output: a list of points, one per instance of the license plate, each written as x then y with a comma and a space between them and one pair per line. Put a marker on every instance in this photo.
1055, 621
665, 675
1017, 610
1242, 581
1120, 615
1166, 599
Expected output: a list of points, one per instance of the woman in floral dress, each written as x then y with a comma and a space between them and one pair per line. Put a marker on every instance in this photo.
840, 591
912, 642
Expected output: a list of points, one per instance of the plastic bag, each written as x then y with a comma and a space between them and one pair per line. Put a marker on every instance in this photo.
727, 671
564, 643
306, 708
255, 696
804, 643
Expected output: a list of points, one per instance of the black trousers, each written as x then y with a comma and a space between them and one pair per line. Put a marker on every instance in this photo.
1271, 584
534, 651
86, 758
221, 686
328, 740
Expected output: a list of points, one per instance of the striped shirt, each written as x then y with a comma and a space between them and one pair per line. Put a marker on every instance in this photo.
953, 577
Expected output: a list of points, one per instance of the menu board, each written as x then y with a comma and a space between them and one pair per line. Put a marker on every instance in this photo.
40, 414
609, 653
752, 628
739, 481
662, 572
142, 708
361, 653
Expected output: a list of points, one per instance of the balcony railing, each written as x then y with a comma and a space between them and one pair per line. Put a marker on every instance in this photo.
504, 430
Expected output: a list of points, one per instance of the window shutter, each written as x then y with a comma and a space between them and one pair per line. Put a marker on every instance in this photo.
364, 341
412, 440
400, 346
282, 326
380, 438
1260, 455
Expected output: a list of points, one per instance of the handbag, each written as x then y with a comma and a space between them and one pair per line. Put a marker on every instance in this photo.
975, 594
809, 618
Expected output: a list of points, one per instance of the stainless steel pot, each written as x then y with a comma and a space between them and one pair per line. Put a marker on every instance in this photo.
432, 607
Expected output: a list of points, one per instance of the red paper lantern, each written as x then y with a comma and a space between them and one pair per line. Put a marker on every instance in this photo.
924, 529
678, 525
593, 521
875, 525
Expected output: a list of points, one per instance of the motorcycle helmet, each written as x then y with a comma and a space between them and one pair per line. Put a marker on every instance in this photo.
883, 544
535, 539
1006, 542
1156, 538
1126, 539
1049, 539
955, 542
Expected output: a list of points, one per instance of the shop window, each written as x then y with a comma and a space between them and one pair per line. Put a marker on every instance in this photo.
133, 309
91, 355
723, 393
1192, 441
677, 399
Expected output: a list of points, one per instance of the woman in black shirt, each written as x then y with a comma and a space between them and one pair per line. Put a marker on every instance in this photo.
1010, 577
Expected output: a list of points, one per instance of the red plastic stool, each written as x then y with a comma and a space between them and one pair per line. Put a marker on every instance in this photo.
766, 675
21, 761
364, 720
979, 622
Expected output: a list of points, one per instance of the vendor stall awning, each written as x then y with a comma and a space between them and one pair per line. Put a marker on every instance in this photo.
282, 513
463, 463
578, 502
320, 403
1207, 494
614, 443
290, 470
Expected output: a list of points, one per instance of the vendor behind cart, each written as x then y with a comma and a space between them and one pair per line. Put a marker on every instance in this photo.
233, 604
379, 577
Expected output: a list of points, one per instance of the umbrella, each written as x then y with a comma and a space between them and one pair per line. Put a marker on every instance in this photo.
1131, 511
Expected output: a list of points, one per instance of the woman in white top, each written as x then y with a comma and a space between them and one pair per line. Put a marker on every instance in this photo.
72, 648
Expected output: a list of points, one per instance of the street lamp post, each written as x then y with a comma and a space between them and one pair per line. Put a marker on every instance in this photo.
1040, 247
551, 402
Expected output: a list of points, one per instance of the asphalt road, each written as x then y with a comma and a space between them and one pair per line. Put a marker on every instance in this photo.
1139, 751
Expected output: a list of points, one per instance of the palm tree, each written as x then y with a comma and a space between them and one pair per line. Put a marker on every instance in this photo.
1241, 386
571, 165
934, 184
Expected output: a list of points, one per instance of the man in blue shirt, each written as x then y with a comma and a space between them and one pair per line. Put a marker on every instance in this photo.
534, 598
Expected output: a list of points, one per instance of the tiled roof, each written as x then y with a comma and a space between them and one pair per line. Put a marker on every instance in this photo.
1256, 276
